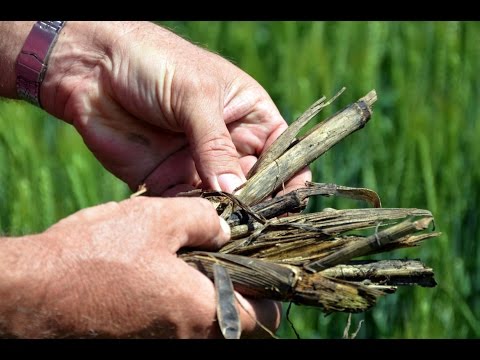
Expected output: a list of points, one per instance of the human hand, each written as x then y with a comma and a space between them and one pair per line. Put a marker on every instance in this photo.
111, 271
156, 109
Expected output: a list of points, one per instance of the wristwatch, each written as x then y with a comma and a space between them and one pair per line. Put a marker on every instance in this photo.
32, 61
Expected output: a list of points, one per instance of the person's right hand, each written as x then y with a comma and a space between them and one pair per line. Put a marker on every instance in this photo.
112, 271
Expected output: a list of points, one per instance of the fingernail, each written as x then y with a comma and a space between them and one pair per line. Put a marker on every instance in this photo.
225, 227
229, 182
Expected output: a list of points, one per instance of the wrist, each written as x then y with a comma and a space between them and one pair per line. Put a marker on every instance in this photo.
77, 64
32, 61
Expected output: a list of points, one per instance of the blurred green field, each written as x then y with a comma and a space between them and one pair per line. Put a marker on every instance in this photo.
421, 149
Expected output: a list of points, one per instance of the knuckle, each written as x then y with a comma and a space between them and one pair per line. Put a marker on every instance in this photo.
218, 148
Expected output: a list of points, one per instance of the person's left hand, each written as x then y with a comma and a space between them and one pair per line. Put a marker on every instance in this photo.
158, 110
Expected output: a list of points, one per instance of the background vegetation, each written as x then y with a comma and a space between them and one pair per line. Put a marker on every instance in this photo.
421, 149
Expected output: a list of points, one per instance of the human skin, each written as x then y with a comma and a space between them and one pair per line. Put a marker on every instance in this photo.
157, 110
112, 271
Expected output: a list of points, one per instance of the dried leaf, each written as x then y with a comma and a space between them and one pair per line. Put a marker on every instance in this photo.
227, 312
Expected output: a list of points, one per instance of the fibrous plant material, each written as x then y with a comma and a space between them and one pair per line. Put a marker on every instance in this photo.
309, 258
302, 152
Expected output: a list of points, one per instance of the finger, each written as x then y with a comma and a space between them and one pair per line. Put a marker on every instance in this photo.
258, 317
168, 180
258, 314
199, 318
297, 181
255, 132
188, 298
197, 224
282, 126
181, 222
177, 169
246, 162
216, 157
176, 189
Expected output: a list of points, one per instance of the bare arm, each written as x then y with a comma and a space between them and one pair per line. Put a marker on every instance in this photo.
112, 271
155, 109
12, 37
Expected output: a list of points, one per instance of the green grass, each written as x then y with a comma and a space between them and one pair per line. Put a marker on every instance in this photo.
421, 149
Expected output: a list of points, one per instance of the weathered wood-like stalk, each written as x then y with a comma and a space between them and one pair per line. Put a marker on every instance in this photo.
328, 133
310, 258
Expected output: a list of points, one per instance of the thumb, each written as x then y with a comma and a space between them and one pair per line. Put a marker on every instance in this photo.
181, 221
216, 158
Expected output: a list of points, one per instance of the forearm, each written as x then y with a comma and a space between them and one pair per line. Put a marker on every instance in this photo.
23, 270
12, 37
38, 297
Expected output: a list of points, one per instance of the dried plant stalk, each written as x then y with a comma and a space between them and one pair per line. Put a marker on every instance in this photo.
309, 148
372, 242
293, 274
310, 258
387, 272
